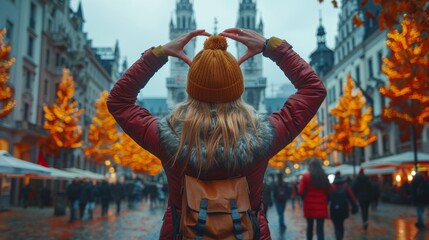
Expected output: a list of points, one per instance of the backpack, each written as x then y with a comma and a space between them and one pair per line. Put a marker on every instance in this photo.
282, 192
339, 206
216, 209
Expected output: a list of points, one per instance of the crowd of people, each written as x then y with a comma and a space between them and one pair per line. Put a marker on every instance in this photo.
83, 195
322, 200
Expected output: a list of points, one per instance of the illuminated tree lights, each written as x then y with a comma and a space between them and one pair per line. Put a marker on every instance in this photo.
6, 91
102, 133
407, 71
62, 120
352, 126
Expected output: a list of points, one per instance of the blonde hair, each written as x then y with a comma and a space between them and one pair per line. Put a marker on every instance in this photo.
212, 126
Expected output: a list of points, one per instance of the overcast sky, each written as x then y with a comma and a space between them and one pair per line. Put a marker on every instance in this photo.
140, 24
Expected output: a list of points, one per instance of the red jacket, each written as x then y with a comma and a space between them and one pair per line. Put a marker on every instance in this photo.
287, 123
315, 200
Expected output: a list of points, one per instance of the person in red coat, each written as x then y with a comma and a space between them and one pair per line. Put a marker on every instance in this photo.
214, 134
314, 188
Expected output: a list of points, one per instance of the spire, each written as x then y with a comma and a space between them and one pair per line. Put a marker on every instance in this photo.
79, 12
320, 32
215, 26
117, 48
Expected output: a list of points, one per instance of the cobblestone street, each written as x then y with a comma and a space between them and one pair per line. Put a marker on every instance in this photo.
388, 222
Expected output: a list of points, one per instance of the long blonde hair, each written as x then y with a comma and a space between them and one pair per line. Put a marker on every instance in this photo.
212, 126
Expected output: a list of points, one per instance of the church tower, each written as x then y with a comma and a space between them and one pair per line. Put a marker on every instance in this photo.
254, 82
182, 22
322, 60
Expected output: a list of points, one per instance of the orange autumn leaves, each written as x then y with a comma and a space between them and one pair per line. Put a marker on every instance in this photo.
407, 71
6, 91
309, 144
105, 142
62, 120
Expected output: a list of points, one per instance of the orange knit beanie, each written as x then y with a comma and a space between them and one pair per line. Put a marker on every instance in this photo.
214, 75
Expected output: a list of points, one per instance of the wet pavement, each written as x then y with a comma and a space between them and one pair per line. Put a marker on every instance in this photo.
388, 222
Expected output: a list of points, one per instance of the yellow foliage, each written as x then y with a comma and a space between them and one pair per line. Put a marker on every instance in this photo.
62, 120
103, 133
6, 91
352, 125
406, 69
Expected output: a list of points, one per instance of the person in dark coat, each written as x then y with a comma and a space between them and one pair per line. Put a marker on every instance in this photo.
340, 198
375, 194
118, 193
25, 195
83, 198
420, 196
92, 194
73, 194
362, 188
105, 193
281, 193
267, 198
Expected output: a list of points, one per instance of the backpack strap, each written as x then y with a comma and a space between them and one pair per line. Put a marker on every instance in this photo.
202, 219
236, 220
256, 228
175, 221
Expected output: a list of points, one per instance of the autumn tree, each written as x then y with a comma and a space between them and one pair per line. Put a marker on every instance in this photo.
312, 144
102, 133
391, 13
62, 120
407, 71
288, 153
352, 121
128, 153
6, 91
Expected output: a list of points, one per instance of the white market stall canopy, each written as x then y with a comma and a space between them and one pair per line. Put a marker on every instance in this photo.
85, 174
347, 170
57, 173
10, 165
396, 160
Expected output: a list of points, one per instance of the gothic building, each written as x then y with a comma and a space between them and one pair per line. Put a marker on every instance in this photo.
359, 52
183, 22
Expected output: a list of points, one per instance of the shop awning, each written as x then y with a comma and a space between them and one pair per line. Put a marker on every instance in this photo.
85, 173
347, 170
57, 173
10, 165
396, 160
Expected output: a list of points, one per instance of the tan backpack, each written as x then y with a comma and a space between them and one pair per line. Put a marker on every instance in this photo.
217, 209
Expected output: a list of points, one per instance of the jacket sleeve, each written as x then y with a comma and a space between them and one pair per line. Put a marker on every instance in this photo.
299, 108
137, 121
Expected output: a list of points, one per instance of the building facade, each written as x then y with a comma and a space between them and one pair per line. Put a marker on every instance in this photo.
359, 52
46, 37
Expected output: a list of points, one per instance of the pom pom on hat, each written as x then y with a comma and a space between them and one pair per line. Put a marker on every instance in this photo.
216, 42
214, 75
337, 173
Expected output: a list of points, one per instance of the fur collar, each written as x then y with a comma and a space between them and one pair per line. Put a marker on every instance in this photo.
265, 132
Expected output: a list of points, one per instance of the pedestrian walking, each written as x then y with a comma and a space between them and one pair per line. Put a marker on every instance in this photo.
25, 195
118, 193
105, 193
420, 195
340, 198
282, 193
92, 191
83, 198
73, 194
362, 188
314, 188
44, 196
267, 195
213, 136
